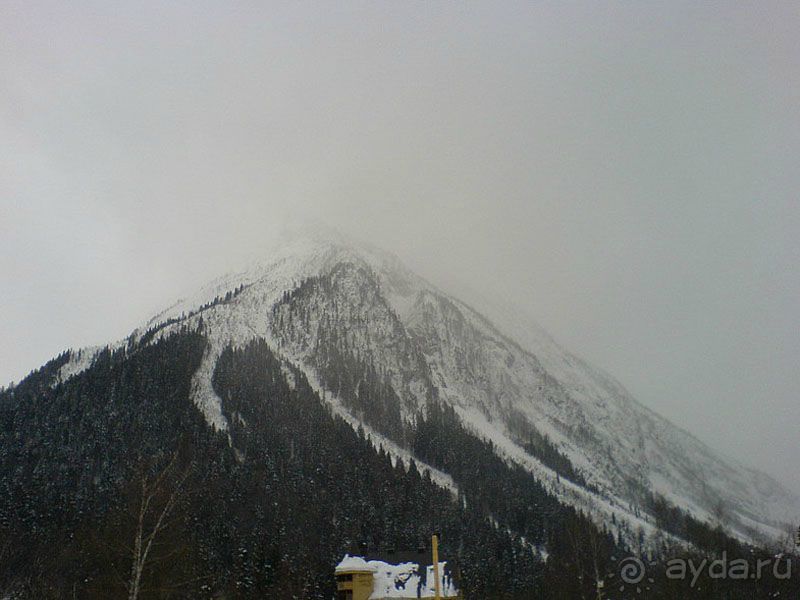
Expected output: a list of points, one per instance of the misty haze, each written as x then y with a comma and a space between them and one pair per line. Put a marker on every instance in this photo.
361, 301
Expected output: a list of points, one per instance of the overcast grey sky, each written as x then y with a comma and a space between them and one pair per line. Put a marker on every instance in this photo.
626, 171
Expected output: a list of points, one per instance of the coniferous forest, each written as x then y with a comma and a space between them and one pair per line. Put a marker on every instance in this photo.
112, 481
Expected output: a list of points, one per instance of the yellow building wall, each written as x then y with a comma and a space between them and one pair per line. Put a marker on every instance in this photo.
360, 585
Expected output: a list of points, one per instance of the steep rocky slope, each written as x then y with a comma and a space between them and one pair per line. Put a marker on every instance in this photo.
351, 316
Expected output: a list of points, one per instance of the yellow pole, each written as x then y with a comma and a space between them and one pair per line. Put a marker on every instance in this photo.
437, 581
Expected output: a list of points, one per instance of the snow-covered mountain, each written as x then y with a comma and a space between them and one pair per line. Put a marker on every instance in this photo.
506, 378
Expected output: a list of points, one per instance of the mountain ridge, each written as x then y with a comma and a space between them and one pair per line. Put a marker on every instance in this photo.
623, 450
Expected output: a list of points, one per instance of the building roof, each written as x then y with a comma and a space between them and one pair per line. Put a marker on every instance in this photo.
397, 577
354, 564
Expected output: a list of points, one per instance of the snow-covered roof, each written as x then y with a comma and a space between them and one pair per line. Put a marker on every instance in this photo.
402, 580
354, 564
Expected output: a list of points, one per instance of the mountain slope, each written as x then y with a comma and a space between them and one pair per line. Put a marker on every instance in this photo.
265, 512
361, 325
327, 396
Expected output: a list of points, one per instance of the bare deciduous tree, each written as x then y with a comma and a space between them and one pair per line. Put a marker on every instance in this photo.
157, 498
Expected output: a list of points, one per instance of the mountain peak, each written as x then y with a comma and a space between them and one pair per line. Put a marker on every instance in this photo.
505, 378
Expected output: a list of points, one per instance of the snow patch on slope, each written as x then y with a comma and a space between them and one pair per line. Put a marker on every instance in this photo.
600, 509
78, 362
